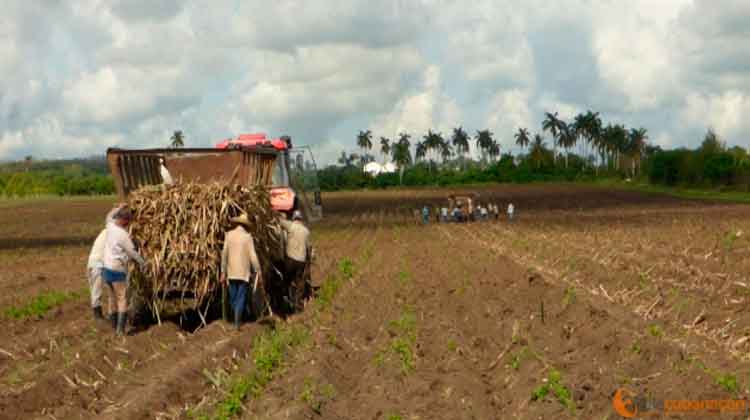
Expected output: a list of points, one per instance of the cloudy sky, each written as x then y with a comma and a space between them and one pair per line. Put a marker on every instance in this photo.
79, 76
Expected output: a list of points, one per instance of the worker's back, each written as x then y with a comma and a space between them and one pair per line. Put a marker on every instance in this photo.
298, 237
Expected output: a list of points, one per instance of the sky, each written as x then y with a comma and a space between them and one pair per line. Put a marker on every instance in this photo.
81, 76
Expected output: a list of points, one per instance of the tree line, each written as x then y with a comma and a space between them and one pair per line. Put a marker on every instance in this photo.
63, 178
583, 148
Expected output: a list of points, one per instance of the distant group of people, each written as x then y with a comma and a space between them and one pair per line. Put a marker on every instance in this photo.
462, 214
113, 249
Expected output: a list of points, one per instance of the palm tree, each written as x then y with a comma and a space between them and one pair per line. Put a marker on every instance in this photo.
555, 126
538, 150
401, 154
484, 140
460, 141
364, 140
446, 151
568, 138
637, 146
420, 151
385, 147
494, 150
347, 160
177, 139
433, 141
522, 137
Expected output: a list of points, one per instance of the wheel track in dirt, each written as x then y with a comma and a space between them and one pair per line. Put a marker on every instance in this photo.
69, 392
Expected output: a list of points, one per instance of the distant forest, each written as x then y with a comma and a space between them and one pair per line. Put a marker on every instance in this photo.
583, 149
55, 177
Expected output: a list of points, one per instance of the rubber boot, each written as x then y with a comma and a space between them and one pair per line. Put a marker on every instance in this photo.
98, 313
122, 320
237, 319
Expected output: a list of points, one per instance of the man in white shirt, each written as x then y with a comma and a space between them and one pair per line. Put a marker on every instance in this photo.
164, 172
95, 264
511, 210
239, 263
118, 251
297, 253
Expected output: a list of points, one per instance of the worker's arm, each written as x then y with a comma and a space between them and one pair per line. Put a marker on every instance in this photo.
286, 224
254, 262
129, 248
111, 215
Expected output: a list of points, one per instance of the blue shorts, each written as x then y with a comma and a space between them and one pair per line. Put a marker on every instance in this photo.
111, 276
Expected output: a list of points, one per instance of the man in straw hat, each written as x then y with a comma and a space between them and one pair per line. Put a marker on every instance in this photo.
239, 263
118, 251
297, 254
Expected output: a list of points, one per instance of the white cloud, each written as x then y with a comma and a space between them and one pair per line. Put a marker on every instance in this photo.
509, 110
429, 108
726, 113
94, 73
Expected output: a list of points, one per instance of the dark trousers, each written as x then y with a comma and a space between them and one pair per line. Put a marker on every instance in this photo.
295, 276
238, 295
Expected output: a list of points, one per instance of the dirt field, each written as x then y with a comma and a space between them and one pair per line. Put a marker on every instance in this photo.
586, 292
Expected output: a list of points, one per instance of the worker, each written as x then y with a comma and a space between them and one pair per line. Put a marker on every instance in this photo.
164, 172
297, 257
458, 215
425, 215
95, 264
239, 263
444, 214
118, 251
495, 211
511, 210
483, 213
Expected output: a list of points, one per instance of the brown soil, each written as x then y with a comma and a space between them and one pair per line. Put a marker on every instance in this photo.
610, 289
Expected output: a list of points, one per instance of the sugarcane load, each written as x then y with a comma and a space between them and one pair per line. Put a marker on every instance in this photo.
186, 204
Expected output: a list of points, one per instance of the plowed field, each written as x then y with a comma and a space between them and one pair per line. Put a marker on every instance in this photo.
587, 292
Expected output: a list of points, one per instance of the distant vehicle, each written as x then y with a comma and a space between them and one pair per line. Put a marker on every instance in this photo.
249, 159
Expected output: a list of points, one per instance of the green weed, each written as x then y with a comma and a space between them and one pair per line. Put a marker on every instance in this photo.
555, 386
515, 361
569, 297
40, 305
401, 346
316, 397
729, 239
655, 331
268, 353
728, 382
452, 345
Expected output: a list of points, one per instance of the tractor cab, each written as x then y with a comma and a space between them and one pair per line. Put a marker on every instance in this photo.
294, 183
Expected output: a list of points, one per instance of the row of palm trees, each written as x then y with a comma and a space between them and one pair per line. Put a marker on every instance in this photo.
433, 145
613, 143
610, 146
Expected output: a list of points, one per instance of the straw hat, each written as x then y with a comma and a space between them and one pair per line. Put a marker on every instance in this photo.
241, 219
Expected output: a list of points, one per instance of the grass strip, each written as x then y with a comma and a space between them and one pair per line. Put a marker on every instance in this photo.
271, 348
40, 304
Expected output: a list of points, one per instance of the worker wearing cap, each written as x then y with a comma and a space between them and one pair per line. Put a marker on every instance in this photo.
239, 263
118, 251
95, 265
297, 253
